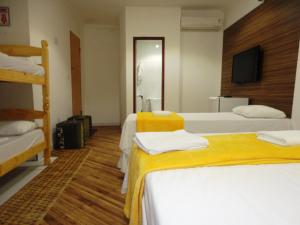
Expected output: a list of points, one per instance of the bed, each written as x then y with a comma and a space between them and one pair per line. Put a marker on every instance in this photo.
23, 65
262, 194
226, 122
15, 65
232, 195
16, 150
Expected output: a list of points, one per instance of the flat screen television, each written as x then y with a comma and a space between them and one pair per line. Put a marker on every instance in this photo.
246, 66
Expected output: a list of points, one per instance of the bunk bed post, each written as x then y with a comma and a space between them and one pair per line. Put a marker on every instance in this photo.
46, 119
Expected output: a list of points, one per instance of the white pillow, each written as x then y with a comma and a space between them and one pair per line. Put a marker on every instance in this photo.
259, 111
12, 128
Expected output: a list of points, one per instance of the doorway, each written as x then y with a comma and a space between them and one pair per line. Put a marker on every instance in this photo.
76, 74
148, 73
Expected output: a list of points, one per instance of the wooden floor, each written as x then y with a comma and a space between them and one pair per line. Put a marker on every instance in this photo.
93, 196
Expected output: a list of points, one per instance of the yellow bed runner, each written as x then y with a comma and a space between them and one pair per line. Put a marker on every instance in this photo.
235, 149
147, 122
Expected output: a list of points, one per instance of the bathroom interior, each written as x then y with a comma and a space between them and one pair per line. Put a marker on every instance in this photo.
149, 72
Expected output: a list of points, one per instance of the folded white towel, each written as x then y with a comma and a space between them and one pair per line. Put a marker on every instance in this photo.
159, 142
3, 139
162, 113
284, 138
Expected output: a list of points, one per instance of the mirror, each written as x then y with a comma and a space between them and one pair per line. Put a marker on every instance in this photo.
148, 74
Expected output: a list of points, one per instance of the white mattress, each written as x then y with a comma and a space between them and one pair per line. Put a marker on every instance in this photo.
20, 64
15, 145
231, 195
226, 122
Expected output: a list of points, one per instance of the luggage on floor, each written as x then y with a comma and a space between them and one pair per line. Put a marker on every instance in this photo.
69, 135
87, 124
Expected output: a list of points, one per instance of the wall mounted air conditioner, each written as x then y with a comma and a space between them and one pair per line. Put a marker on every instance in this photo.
201, 23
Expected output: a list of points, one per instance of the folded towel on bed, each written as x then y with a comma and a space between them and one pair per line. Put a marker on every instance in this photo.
284, 138
148, 122
162, 113
159, 142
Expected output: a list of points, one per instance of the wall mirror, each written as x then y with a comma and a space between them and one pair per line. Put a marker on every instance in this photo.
148, 73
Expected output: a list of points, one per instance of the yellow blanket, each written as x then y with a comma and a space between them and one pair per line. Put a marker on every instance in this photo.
236, 149
147, 122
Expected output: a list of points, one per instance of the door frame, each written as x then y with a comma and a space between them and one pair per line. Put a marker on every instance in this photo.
72, 36
162, 39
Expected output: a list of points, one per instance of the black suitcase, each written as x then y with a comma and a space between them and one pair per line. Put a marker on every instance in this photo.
87, 124
90, 124
69, 135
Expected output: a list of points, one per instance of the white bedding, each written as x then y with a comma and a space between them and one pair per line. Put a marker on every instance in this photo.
14, 145
226, 122
283, 137
20, 64
231, 195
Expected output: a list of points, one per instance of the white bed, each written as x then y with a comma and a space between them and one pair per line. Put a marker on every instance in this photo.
226, 122
14, 145
20, 64
231, 195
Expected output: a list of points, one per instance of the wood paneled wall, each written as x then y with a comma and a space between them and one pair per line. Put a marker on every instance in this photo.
275, 26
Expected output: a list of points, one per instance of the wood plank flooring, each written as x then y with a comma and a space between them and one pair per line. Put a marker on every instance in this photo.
93, 196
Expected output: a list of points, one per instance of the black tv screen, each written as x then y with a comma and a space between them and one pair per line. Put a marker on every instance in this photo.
246, 66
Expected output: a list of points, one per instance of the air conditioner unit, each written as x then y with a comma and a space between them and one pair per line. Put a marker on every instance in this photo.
201, 23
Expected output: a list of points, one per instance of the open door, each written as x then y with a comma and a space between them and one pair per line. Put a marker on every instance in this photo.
76, 74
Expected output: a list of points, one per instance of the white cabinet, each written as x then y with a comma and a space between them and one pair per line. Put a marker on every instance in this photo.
226, 104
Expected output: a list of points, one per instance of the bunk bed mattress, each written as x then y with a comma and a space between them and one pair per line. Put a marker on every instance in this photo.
14, 145
225, 122
20, 64
230, 195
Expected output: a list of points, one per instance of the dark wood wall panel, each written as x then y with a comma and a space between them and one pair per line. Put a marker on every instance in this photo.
275, 26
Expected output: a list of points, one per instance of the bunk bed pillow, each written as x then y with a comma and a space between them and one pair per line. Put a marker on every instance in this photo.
20, 64
259, 111
13, 128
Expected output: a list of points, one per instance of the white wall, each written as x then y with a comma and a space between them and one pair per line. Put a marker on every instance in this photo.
52, 20
239, 9
296, 104
18, 31
101, 69
16, 95
201, 66
154, 21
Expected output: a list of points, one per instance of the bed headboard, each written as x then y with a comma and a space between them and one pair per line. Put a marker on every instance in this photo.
274, 26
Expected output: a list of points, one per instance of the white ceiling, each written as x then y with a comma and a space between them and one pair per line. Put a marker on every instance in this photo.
108, 11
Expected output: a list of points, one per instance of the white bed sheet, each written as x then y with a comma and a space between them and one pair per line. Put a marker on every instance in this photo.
15, 145
231, 195
226, 122
20, 64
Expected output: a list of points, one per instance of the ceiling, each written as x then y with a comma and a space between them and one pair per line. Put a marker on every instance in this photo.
108, 11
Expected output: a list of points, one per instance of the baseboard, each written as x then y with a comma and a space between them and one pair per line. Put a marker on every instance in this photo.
105, 124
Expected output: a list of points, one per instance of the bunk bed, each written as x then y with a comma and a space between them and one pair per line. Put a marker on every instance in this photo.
11, 159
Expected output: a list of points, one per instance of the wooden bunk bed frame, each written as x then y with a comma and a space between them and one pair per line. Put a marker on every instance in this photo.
23, 114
